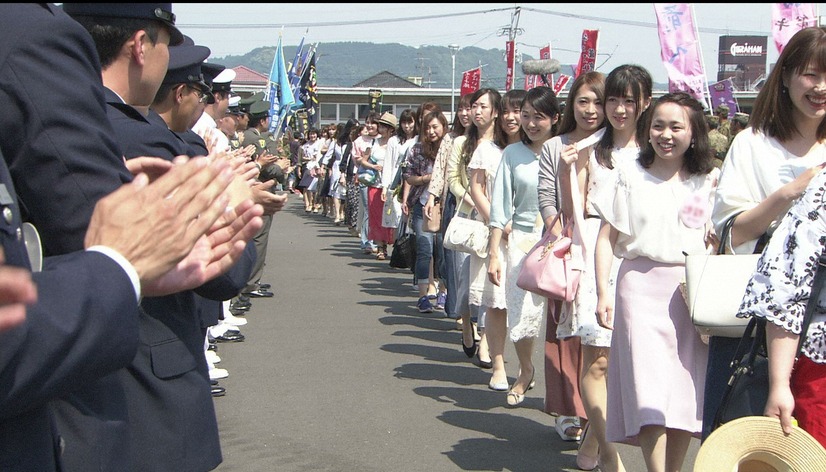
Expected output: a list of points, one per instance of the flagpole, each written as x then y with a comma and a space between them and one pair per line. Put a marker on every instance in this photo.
706, 91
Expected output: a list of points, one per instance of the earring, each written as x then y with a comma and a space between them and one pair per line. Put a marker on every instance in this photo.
692, 144
784, 90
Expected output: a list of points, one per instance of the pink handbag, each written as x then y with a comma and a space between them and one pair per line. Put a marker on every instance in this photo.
553, 266
548, 269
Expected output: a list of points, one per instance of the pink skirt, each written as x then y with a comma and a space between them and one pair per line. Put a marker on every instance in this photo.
658, 362
375, 231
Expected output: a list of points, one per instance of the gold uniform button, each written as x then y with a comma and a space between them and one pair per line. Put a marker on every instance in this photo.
8, 215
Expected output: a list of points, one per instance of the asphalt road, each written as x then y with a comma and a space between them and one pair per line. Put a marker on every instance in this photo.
340, 372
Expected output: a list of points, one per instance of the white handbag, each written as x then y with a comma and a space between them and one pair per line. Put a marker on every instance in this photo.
465, 234
714, 289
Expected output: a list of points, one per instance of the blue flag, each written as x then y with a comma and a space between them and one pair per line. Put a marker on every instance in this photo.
279, 92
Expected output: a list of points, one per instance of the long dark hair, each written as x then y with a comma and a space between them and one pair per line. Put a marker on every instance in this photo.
343, 135
698, 156
542, 99
620, 81
472, 140
405, 116
773, 111
457, 128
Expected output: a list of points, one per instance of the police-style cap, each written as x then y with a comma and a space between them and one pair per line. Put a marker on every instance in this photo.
260, 109
210, 71
232, 108
185, 66
223, 81
147, 11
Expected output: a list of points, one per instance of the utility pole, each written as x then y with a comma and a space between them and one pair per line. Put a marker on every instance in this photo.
512, 31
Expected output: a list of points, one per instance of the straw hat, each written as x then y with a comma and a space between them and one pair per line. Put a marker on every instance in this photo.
757, 444
388, 119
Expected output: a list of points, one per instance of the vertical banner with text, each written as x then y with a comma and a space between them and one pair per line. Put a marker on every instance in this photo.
561, 82
722, 93
509, 55
470, 81
588, 55
788, 19
680, 49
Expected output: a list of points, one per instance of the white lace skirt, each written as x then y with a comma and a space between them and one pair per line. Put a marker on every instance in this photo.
483, 293
525, 309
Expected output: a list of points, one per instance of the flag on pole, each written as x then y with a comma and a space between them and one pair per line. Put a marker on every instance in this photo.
300, 72
278, 86
588, 55
308, 91
509, 57
722, 93
788, 19
561, 82
680, 49
470, 81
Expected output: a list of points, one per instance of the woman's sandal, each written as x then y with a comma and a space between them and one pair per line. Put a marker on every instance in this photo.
584, 462
564, 423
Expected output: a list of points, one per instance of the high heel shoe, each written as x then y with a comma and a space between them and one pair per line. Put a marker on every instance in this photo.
483, 364
469, 351
584, 462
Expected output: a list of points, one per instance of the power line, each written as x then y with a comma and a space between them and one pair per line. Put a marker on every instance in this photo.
322, 24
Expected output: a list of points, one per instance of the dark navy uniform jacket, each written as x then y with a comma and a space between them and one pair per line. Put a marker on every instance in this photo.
83, 326
62, 156
172, 417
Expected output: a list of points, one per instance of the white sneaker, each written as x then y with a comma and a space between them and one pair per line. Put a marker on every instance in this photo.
218, 373
233, 320
212, 357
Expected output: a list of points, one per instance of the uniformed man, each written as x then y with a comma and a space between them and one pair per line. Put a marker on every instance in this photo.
722, 112
170, 408
716, 140
738, 123
207, 125
244, 106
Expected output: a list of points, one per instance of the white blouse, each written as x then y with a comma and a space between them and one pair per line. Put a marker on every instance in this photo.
782, 282
755, 167
646, 212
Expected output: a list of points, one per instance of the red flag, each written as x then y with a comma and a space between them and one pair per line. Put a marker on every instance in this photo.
531, 81
561, 82
545, 53
588, 56
471, 80
509, 53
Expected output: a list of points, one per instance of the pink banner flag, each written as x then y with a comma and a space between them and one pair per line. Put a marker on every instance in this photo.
560, 83
722, 93
588, 55
509, 55
470, 81
680, 49
788, 19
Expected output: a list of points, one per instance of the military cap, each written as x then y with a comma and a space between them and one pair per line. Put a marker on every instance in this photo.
223, 81
147, 11
722, 109
185, 66
245, 103
210, 71
742, 119
713, 120
259, 109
